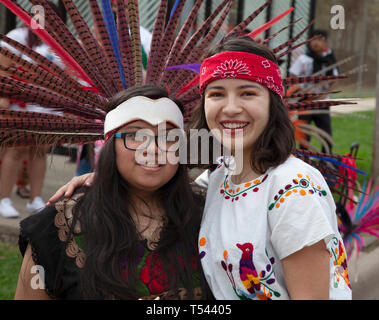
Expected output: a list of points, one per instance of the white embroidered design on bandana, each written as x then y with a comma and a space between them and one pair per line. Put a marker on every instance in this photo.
231, 69
266, 64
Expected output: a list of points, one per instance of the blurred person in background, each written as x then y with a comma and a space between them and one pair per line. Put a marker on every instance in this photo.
13, 157
318, 56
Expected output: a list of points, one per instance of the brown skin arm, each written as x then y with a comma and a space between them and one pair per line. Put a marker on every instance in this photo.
25, 290
306, 273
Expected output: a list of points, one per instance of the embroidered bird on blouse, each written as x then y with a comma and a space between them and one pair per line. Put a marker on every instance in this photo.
248, 274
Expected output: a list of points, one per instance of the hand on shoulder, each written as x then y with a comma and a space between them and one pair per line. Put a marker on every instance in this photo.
68, 189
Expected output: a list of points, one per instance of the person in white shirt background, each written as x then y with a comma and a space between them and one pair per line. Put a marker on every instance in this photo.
317, 56
13, 156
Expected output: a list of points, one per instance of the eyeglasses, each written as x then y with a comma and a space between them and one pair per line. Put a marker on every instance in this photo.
141, 140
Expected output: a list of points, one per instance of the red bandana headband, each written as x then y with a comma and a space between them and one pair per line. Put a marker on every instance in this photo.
241, 65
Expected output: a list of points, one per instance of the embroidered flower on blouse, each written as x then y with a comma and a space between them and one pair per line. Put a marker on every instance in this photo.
301, 185
236, 192
202, 243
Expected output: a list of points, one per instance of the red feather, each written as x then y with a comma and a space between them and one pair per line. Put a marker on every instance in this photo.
269, 24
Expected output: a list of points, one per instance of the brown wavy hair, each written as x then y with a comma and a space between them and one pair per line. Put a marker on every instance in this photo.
277, 141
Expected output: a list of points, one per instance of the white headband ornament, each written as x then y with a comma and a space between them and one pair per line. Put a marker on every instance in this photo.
142, 108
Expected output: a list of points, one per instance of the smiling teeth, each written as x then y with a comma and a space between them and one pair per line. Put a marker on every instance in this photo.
151, 165
234, 125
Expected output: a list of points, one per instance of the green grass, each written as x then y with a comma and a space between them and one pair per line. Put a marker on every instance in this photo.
355, 127
10, 263
352, 94
350, 128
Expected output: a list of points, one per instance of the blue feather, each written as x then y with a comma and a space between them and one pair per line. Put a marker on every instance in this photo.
357, 214
358, 238
338, 163
174, 8
112, 32
368, 204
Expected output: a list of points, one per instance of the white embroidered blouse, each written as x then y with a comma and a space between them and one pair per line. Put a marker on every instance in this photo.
248, 229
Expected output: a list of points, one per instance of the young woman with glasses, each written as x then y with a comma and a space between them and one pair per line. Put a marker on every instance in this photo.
133, 234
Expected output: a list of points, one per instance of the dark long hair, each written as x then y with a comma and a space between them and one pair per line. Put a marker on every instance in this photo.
111, 237
277, 141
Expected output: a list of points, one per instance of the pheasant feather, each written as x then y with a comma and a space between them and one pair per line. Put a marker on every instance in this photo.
22, 138
292, 80
297, 46
103, 39
91, 46
181, 38
46, 38
166, 42
125, 43
112, 60
55, 26
243, 25
112, 32
293, 40
196, 54
316, 104
158, 32
193, 41
266, 41
41, 60
46, 98
45, 79
135, 40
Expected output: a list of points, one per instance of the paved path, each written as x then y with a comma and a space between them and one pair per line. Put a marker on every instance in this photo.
363, 274
59, 171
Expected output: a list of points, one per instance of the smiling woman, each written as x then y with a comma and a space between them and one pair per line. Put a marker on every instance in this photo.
237, 108
133, 234
268, 228
141, 167
271, 140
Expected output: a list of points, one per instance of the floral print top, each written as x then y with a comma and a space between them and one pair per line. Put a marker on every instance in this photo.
248, 229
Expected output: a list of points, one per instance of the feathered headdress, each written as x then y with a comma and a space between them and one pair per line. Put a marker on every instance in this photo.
98, 68
361, 218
